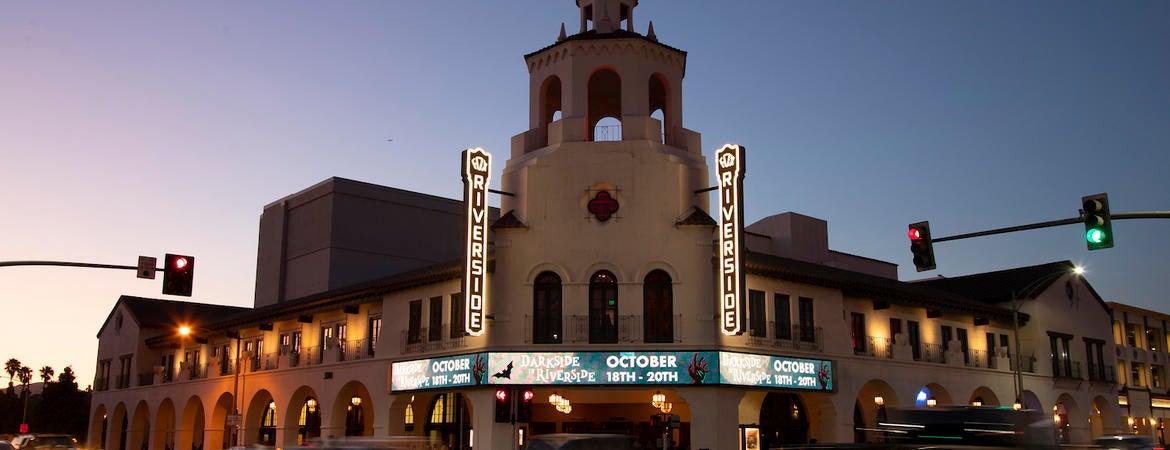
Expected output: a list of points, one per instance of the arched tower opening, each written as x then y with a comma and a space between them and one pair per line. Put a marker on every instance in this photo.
659, 101
604, 99
550, 106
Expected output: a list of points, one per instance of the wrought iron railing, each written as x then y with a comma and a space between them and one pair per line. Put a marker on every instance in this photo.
791, 337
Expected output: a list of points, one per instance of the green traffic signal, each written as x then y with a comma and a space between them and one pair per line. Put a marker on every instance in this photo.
1098, 229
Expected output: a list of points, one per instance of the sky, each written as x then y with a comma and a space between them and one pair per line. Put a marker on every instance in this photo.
141, 128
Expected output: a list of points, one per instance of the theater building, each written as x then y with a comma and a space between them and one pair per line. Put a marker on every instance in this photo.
611, 273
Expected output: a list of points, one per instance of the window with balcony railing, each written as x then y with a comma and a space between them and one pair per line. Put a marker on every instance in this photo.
1137, 374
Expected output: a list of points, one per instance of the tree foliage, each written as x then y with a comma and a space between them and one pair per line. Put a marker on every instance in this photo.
59, 407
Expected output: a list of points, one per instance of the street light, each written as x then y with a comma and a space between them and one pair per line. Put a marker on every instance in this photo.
881, 415
1016, 300
658, 399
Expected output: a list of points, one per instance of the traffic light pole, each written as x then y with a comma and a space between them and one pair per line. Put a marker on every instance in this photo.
65, 263
1053, 223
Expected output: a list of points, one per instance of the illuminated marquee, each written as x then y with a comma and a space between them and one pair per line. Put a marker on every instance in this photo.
637, 368
477, 165
730, 168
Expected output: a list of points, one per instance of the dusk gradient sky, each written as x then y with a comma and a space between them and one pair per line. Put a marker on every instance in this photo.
141, 127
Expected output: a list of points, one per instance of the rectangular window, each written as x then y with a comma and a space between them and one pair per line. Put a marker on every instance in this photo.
915, 339
805, 315
946, 337
225, 360
1156, 377
168, 363
895, 329
124, 371
328, 339
1136, 373
414, 324
757, 313
457, 316
285, 343
783, 311
374, 334
991, 352
1005, 343
1061, 360
435, 331
103, 375
964, 345
191, 362
857, 332
1131, 335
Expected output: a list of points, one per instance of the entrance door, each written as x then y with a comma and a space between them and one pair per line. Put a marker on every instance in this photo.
783, 421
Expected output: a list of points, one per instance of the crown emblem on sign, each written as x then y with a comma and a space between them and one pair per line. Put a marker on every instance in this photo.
479, 163
726, 160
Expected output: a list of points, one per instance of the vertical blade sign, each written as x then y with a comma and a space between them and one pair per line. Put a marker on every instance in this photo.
729, 162
477, 165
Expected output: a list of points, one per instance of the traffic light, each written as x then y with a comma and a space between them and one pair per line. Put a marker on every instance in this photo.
178, 274
1098, 229
524, 410
503, 406
921, 246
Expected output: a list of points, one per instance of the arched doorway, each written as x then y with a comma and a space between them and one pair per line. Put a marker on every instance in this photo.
783, 421
353, 410
164, 423
191, 435
449, 420
302, 417
99, 425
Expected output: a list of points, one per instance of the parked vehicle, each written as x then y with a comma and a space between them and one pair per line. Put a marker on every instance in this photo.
49, 442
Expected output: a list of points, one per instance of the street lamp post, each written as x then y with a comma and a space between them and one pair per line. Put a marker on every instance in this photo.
1017, 302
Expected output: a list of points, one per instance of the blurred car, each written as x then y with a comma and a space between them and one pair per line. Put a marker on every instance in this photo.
4, 445
49, 442
1124, 442
583, 441
19, 440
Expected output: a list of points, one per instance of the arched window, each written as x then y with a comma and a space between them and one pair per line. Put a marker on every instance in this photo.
546, 309
408, 417
450, 420
309, 423
443, 409
603, 308
658, 307
268, 425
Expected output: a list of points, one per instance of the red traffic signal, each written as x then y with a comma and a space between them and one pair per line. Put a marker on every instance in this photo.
921, 246
178, 274
503, 406
524, 409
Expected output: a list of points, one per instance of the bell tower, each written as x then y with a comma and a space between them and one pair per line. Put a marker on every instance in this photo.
605, 183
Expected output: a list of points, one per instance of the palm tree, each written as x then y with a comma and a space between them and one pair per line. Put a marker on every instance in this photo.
46, 374
12, 366
25, 374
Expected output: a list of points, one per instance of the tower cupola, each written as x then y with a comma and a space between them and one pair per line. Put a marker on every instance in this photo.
605, 16
607, 74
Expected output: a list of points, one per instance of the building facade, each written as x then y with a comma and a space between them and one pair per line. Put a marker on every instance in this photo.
604, 282
1140, 338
